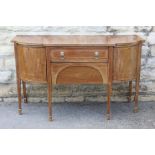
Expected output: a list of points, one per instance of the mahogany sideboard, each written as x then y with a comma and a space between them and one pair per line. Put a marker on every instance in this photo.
77, 59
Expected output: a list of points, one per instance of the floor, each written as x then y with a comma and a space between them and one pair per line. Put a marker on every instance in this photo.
78, 116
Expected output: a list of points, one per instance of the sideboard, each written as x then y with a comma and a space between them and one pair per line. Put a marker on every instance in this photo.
77, 59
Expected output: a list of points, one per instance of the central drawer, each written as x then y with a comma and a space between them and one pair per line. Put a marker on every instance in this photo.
79, 55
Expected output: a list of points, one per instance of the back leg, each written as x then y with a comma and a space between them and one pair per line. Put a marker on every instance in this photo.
130, 91
24, 92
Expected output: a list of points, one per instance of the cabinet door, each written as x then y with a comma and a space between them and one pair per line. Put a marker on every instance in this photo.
125, 63
79, 73
32, 63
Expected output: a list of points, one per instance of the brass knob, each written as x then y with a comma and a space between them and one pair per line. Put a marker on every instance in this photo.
62, 55
96, 54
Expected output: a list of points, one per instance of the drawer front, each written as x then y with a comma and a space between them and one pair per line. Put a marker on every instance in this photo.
79, 55
79, 73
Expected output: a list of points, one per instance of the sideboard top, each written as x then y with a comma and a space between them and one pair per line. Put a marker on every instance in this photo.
77, 40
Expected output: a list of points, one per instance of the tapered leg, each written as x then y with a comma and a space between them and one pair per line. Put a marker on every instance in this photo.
109, 91
18, 81
49, 102
136, 96
24, 92
19, 96
110, 79
137, 78
130, 91
49, 83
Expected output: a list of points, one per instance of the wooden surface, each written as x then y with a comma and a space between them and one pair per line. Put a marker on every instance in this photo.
76, 40
32, 63
125, 63
83, 73
29, 40
79, 54
75, 59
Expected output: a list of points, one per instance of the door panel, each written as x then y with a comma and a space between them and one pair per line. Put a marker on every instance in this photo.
32, 63
125, 63
79, 73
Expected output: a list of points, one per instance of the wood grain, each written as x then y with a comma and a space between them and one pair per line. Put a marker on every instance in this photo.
79, 55
77, 59
49, 84
76, 40
109, 83
18, 80
138, 76
79, 73
125, 63
32, 62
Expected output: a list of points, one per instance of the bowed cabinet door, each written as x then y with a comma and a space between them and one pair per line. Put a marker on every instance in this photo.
125, 63
32, 63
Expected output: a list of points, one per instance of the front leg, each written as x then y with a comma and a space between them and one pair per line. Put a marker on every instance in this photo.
49, 83
110, 80
109, 91
19, 96
49, 102
138, 79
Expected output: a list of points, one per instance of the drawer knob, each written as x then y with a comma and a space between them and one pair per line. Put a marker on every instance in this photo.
62, 55
96, 54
